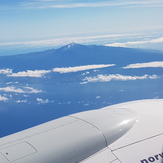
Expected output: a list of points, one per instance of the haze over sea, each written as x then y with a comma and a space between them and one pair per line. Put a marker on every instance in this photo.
146, 39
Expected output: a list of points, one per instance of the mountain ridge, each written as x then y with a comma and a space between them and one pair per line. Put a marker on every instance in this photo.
76, 55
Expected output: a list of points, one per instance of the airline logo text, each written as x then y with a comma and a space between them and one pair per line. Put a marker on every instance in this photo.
152, 158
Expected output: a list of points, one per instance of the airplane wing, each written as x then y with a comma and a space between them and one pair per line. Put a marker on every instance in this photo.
130, 132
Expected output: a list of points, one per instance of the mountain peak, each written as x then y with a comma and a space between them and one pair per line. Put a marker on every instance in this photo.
73, 44
70, 46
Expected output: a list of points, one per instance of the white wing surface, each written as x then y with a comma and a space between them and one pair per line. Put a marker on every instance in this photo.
125, 133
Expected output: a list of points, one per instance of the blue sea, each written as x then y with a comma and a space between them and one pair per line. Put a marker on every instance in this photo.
29, 101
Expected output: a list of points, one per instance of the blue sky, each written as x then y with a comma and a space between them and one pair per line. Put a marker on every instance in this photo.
38, 20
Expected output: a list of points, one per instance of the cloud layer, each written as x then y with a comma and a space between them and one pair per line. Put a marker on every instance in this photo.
103, 39
2, 98
126, 44
117, 77
65, 40
41, 73
30, 73
43, 4
5, 71
80, 68
41, 101
156, 64
20, 90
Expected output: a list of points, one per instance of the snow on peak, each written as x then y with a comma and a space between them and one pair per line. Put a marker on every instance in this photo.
72, 44
69, 46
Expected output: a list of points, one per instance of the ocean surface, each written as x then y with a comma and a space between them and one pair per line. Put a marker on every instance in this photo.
39, 87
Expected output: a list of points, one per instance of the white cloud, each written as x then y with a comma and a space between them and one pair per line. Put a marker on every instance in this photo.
26, 95
86, 73
5, 71
31, 90
86, 40
125, 44
66, 40
21, 101
80, 68
42, 101
30, 73
107, 78
12, 89
155, 64
20, 90
68, 4
158, 40
2, 98
9, 83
